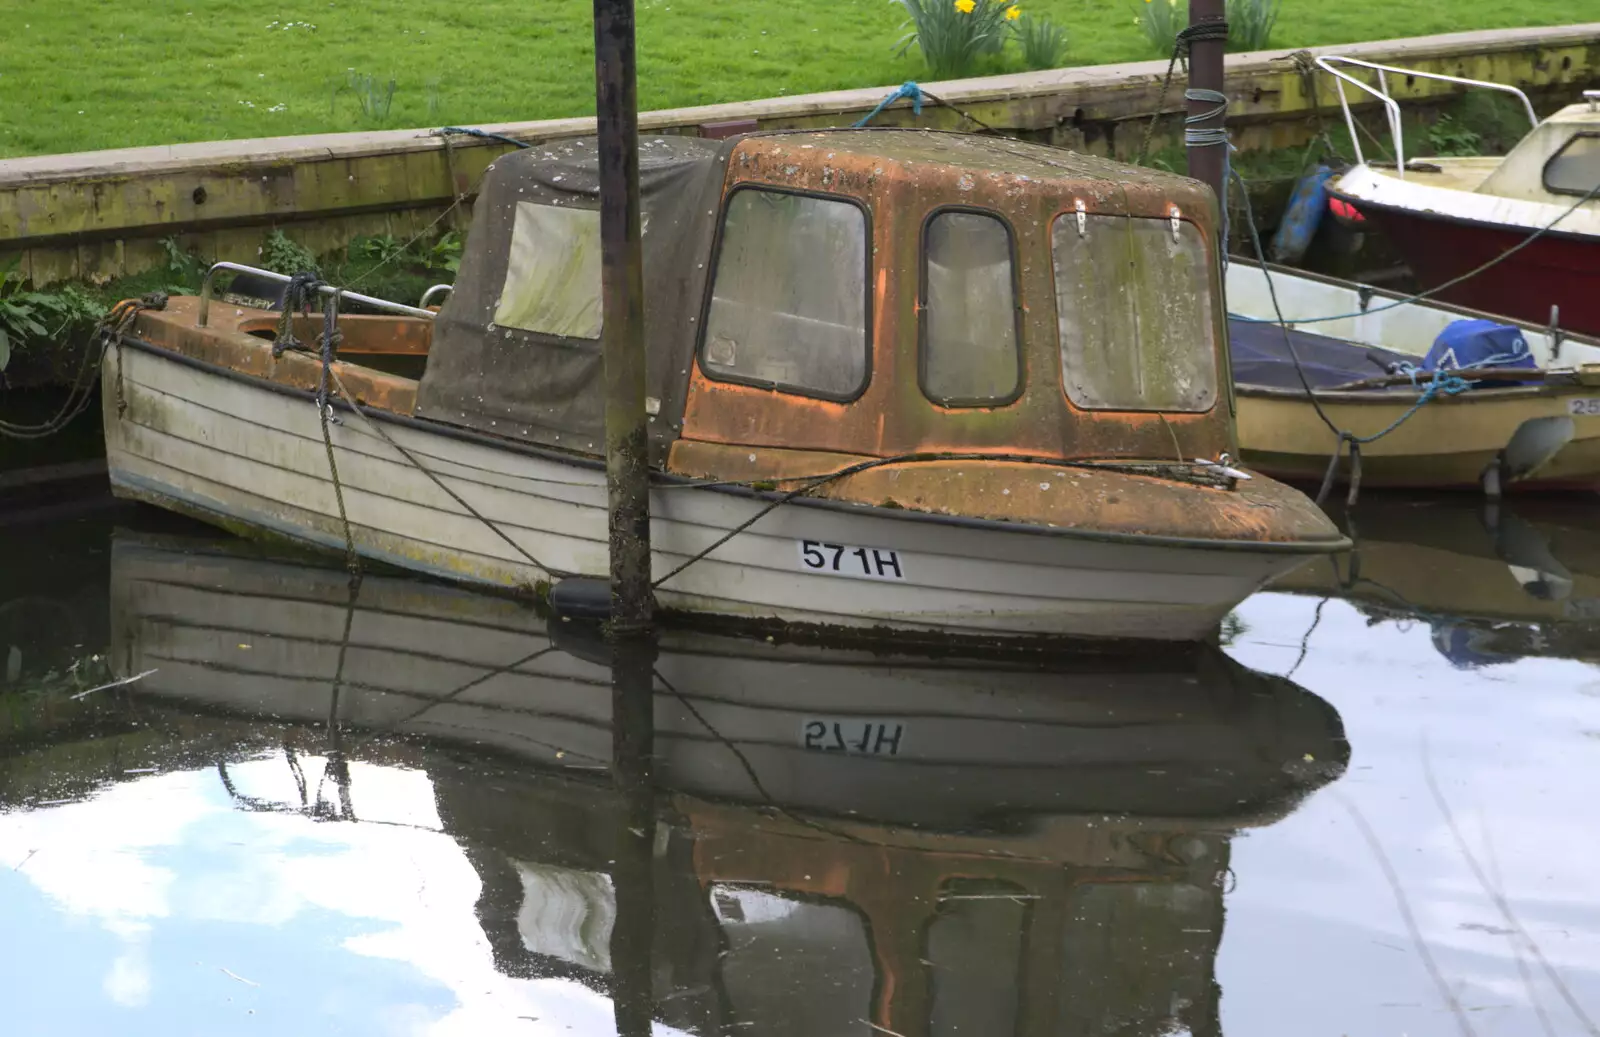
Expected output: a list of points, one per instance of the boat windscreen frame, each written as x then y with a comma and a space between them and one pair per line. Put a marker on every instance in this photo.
711, 286
958, 403
1221, 371
1544, 170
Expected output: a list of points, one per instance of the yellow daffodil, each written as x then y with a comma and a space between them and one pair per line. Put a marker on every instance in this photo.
1013, 13
966, 6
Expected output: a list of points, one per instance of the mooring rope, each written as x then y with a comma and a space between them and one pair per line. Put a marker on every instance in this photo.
1158, 470
1443, 382
1189, 34
350, 401
329, 342
468, 131
918, 94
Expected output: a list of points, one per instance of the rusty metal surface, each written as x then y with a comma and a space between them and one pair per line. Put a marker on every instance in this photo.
226, 344
391, 336
902, 176
1105, 501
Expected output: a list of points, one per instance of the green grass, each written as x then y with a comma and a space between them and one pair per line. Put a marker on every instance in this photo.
84, 74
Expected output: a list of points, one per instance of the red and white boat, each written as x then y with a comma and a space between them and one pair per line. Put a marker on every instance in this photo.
1447, 216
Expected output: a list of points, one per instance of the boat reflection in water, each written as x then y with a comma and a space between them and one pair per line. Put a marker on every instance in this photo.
772, 839
1495, 583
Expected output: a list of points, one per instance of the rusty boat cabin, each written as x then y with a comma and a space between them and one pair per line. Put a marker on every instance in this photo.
997, 339
840, 295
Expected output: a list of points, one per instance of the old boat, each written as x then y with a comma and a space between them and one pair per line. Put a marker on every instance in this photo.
898, 379
1514, 428
1448, 216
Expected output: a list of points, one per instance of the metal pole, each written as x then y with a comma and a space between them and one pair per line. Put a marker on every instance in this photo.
627, 453
1207, 161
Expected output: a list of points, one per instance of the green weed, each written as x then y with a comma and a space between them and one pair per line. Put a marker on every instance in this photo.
39, 316
1448, 137
1043, 42
1498, 119
282, 255
185, 269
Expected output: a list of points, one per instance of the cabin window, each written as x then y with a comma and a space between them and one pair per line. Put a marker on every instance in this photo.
552, 284
974, 956
1135, 314
1575, 169
969, 311
791, 966
789, 300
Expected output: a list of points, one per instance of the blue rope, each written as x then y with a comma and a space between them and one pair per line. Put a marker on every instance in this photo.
467, 131
1448, 384
906, 89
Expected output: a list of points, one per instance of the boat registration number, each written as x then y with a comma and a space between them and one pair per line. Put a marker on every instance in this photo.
856, 736
1584, 405
871, 563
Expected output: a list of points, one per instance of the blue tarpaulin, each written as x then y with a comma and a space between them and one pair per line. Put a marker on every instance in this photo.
1478, 343
1261, 356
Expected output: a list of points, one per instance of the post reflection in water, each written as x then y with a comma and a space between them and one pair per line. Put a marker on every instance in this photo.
748, 837
632, 874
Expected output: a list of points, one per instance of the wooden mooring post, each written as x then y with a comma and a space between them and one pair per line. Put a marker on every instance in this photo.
1204, 135
622, 309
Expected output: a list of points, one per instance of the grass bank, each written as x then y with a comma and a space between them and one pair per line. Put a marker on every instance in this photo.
79, 75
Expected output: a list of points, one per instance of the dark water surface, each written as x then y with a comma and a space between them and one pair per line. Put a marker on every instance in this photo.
1373, 812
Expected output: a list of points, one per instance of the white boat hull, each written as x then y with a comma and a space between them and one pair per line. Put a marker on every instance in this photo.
891, 736
250, 457
1374, 317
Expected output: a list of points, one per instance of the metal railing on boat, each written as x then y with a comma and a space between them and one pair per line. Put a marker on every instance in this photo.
1391, 106
438, 289
206, 287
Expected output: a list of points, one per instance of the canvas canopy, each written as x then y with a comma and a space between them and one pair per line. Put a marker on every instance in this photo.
516, 348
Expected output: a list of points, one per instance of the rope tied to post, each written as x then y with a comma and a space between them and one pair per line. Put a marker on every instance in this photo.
917, 96
1443, 383
1181, 42
908, 89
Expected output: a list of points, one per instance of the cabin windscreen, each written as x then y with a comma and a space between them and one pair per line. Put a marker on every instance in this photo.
1575, 169
789, 302
1135, 314
969, 311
